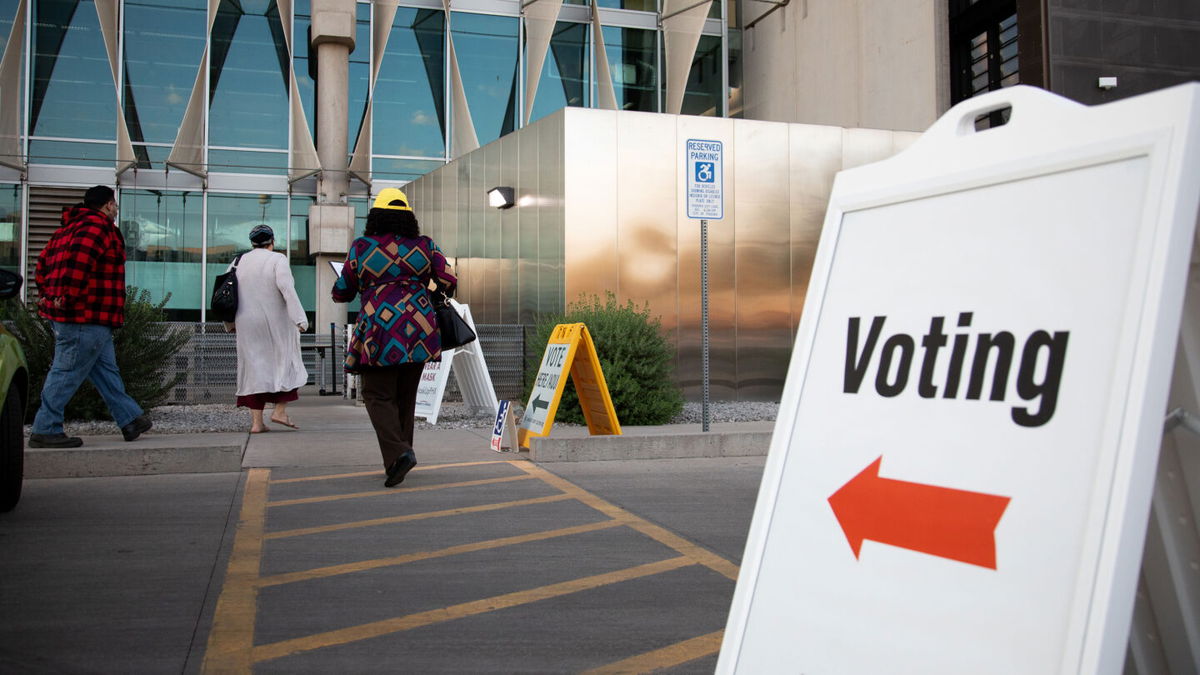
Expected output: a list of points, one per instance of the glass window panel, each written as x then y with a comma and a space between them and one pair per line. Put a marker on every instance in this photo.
235, 161
69, 152
152, 156
163, 230
303, 270
409, 99
360, 74
164, 43
304, 64
230, 219
638, 5
10, 227
392, 169
73, 94
487, 57
633, 63
565, 79
702, 96
248, 92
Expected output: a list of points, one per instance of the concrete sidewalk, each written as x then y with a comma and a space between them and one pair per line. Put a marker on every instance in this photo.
336, 432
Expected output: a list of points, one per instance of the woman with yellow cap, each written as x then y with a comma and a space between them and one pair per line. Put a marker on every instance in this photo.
392, 267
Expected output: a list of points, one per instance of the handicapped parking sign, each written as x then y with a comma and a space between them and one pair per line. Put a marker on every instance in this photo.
705, 188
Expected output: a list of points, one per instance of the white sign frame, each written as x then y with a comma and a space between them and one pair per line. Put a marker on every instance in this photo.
470, 370
698, 153
1046, 136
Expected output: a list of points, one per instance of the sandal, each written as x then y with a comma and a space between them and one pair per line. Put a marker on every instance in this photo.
285, 422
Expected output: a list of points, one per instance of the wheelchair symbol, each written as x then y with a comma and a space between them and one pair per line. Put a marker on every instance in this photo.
705, 172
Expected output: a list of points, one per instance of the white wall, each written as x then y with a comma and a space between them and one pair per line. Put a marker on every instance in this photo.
879, 64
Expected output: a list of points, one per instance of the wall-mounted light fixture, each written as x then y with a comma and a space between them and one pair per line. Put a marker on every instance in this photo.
501, 197
1106, 82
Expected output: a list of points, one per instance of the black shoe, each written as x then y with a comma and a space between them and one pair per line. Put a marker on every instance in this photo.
399, 469
136, 427
54, 441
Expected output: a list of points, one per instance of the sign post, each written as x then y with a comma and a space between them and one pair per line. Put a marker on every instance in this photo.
705, 199
965, 453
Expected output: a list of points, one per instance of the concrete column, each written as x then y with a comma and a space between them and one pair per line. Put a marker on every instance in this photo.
331, 219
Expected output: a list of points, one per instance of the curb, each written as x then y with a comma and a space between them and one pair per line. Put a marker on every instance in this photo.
672, 446
165, 454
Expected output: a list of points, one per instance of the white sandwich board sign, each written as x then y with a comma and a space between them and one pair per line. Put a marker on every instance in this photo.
470, 370
961, 470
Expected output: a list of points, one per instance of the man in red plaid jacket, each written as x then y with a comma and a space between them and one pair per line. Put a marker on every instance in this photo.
81, 278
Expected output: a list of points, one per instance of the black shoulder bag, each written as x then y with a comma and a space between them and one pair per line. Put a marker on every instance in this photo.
225, 294
453, 328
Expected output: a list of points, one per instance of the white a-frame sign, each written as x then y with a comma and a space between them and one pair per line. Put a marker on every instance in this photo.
470, 370
963, 462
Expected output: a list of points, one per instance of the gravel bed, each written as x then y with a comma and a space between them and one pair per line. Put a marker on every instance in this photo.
218, 417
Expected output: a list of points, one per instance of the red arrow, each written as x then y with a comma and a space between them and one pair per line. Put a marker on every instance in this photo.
945, 522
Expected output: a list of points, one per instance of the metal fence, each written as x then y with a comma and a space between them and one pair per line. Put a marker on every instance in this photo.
208, 362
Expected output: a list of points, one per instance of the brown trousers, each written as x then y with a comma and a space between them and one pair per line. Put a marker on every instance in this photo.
390, 395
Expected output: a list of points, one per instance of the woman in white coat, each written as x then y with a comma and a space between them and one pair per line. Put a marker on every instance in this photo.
268, 325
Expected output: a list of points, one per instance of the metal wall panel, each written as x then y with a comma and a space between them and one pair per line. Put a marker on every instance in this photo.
528, 215
645, 218
762, 257
601, 207
816, 156
550, 213
590, 203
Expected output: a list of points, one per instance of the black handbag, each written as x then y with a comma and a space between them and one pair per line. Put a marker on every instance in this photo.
453, 328
224, 302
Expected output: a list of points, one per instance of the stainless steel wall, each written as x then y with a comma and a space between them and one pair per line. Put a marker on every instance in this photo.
601, 207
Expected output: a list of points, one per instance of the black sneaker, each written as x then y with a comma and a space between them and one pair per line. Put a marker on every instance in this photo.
399, 469
136, 427
54, 441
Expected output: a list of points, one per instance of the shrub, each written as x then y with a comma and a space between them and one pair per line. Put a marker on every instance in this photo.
144, 348
634, 355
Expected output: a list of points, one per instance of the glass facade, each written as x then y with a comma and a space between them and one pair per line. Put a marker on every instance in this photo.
217, 103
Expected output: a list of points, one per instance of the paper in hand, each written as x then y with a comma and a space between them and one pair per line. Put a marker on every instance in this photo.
337, 267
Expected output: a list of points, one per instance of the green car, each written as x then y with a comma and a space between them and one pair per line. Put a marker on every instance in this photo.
14, 390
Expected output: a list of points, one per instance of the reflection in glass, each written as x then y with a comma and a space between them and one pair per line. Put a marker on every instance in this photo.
235, 161
409, 115
248, 76
702, 96
67, 152
487, 56
639, 5
230, 219
303, 270
10, 227
565, 79
162, 230
305, 67
633, 62
72, 93
402, 170
164, 42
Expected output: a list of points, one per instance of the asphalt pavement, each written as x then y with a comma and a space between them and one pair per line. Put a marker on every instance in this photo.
299, 560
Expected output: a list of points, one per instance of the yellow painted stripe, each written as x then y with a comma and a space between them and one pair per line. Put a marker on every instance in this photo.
375, 629
349, 568
377, 493
667, 657
359, 474
663, 536
232, 634
416, 516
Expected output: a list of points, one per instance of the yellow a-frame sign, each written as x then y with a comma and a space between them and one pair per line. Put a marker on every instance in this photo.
570, 349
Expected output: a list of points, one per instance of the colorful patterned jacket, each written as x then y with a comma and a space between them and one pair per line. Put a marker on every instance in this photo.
396, 323
81, 272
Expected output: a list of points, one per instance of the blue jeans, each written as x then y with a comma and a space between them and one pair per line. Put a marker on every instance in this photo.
82, 351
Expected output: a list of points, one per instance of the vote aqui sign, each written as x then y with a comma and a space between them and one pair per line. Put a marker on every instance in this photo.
704, 164
570, 350
961, 470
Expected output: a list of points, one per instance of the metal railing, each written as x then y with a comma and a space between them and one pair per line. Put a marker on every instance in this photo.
209, 362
